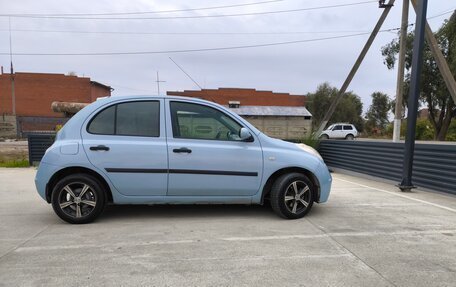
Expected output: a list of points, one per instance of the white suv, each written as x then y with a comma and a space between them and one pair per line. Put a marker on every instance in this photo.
340, 131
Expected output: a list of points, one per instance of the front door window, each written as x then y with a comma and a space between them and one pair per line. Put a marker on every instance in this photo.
193, 121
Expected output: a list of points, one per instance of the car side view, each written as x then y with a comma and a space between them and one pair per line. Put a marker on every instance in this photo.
174, 150
340, 131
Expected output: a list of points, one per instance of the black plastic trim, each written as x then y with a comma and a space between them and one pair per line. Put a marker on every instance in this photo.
136, 170
213, 172
181, 171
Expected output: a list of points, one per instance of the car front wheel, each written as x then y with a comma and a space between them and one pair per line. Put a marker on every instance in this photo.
78, 198
292, 195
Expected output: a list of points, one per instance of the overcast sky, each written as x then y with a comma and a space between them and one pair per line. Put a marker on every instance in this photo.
295, 68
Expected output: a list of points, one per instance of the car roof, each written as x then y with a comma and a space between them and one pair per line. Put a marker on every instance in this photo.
128, 97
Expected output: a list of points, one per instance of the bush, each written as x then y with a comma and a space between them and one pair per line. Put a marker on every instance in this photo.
451, 135
424, 130
310, 140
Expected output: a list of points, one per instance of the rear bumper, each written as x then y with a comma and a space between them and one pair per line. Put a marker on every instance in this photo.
43, 175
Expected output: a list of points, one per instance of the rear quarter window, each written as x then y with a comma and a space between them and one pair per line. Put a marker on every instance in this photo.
103, 122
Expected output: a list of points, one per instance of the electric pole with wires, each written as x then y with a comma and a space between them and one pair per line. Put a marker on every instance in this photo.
400, 72
158, 84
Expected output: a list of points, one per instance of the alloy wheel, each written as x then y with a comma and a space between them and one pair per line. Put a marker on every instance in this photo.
297, 197
77, 199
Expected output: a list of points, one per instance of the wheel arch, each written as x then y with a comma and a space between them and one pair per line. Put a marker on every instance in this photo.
324, 135
72, 170
272, 178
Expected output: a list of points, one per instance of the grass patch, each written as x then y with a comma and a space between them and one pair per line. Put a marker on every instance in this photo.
15, 163
310, 140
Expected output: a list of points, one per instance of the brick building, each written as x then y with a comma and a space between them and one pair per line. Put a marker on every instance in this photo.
279, 115
247, 97
34, 93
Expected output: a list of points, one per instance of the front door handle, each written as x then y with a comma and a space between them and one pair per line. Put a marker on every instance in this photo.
99, 147
182, 150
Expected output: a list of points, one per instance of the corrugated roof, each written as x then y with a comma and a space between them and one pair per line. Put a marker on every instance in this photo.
271, 111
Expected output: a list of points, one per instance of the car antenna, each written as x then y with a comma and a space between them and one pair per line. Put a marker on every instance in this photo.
196, 83
186, 73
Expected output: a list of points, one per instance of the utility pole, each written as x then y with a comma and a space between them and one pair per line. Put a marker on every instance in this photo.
13, 90
158, 84
400, 72
343, 89
444, 69
417, 63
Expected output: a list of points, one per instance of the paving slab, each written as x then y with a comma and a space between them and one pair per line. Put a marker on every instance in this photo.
368, 234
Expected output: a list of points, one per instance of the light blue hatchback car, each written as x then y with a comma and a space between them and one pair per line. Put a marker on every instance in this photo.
174, 150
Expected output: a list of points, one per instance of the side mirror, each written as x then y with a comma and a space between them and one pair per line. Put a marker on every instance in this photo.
245, 135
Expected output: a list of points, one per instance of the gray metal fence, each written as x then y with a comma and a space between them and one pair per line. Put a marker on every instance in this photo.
38, 142
434, 165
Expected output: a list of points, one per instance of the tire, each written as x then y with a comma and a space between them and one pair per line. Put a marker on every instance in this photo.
283, 195
350, 137
68, 203
324, 137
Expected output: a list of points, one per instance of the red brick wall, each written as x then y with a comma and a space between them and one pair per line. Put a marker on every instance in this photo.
98, 91
35, 92
247, 97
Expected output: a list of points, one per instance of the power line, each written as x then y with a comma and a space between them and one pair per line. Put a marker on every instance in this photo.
183, 33
143, 12
210, 49
194, 16
208, 33
192, 50
443, 13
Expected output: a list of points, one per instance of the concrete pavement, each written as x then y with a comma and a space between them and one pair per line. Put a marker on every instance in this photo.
368, 234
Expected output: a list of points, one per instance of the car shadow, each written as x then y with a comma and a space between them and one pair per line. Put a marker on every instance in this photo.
114, 212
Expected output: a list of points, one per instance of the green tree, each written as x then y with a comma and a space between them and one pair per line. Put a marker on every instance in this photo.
434, 93
349, 109
377, 114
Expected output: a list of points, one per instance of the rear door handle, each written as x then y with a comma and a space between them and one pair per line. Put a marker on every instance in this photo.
182, 150
99, 147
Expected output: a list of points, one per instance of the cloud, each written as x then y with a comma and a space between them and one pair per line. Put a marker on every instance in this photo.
296, 68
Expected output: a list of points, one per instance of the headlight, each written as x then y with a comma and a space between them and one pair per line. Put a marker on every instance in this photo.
310, 150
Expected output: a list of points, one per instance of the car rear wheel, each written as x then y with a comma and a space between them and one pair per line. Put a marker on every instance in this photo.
349, 137
292, 195
78, 198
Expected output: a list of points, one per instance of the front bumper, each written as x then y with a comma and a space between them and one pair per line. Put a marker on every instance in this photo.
325, 180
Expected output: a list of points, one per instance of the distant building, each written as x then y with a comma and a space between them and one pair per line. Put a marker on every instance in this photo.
247, 97
34, 93
279, 115
423, 113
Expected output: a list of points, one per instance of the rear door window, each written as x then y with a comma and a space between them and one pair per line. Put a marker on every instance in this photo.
348, 127
140, 118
